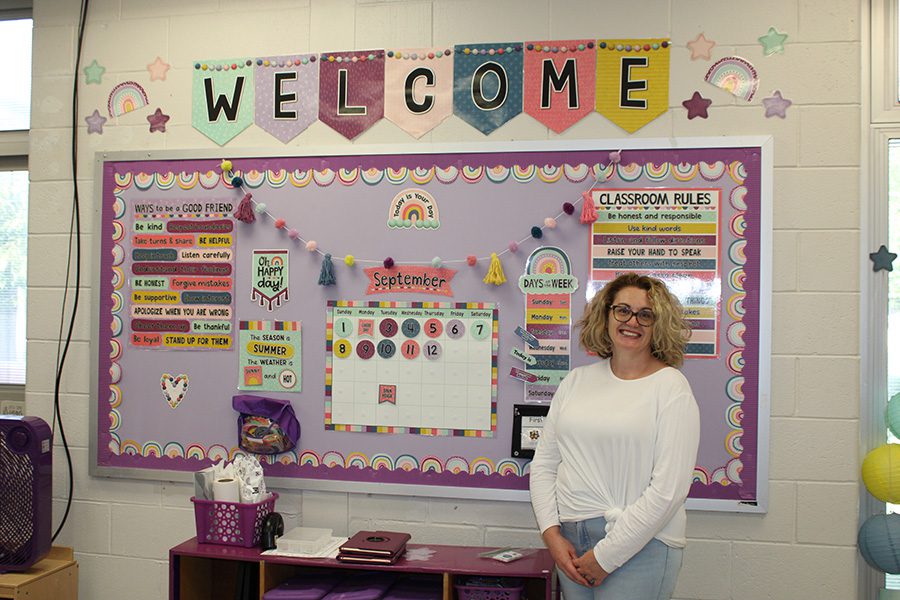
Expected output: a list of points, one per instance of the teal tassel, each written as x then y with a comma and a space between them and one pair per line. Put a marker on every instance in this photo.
326, 276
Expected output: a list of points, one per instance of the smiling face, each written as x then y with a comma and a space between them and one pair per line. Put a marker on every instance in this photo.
630, 337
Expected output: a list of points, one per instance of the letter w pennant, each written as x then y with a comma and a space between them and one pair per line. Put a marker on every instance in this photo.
222, 98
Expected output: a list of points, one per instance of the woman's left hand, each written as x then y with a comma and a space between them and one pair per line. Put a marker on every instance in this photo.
590, 569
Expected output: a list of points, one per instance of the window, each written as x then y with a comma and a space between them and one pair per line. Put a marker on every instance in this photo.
15, 121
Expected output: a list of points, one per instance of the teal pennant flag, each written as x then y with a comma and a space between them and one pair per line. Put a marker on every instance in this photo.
487, 84
222, 98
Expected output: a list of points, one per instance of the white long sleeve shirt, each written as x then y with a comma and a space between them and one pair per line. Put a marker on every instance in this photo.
620, 449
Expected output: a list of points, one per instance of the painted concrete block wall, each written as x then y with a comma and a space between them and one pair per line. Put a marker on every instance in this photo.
804, 548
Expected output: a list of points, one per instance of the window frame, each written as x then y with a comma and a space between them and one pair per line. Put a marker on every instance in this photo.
14, 157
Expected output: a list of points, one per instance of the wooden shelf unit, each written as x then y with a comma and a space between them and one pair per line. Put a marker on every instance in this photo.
211, 571
56, 576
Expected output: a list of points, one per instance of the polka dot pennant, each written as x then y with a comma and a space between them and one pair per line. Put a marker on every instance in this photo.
221, 98
287, 94
569, 97
351, 90
487, 89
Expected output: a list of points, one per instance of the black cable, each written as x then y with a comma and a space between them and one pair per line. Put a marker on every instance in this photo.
76, 233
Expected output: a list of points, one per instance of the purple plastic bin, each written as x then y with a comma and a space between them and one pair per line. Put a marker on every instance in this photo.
509, 589
305, 587
231, 523
364, 586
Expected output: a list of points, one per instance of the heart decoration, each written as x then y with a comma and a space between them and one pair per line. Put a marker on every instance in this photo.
174, 388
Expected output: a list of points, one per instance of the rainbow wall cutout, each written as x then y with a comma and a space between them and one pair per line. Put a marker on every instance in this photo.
126, 97
735, 75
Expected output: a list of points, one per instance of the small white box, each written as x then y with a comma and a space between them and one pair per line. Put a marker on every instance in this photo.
304, 540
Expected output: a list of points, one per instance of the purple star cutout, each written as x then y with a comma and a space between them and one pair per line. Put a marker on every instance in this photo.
158, 121
95, 122
697, 106
776, 105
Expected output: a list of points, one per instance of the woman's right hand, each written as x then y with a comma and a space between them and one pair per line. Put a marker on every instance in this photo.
563, 553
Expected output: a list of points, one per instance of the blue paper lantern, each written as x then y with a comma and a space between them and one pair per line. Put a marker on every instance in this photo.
879, 542
893, 414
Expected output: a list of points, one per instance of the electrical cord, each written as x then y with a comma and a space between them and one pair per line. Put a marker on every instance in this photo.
62, 348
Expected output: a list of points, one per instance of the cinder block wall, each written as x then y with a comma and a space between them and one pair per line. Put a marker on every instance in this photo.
804, 548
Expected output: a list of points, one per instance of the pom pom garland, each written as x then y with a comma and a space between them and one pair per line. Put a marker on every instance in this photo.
225, 166
293, 233
279, 223
349, 260
244, 212
326, 276
236, 182
550, 223
568, 208
260, 207
495, 273
388, 262
311, 245
536, 232
436, 262
471, 260
513, 247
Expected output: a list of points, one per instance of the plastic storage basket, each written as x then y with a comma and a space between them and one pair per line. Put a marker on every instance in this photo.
505, 589
231, 523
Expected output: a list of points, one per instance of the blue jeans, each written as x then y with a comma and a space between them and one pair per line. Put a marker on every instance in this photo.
648, 575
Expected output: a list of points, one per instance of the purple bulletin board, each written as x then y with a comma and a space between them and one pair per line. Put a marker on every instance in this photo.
163, 386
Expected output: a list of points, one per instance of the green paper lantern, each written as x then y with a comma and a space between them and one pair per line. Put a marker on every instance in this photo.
893, 415
879, 542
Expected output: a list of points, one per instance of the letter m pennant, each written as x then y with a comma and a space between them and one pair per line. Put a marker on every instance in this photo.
222, 98
559, 81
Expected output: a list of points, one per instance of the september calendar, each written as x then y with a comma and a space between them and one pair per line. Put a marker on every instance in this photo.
419, 367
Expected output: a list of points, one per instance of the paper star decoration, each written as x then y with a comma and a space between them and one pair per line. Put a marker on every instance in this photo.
773, 42
158, 69
696, 106
95, 122
776, 105
700, 48
94, 72
158, 121
882, 259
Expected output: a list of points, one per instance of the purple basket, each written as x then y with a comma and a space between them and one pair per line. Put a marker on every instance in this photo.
482, 592
231, 523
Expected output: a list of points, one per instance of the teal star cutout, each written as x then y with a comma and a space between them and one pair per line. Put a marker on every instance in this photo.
773, 42
94, 72
883, 259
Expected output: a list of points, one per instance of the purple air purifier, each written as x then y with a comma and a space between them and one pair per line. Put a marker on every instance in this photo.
26, 489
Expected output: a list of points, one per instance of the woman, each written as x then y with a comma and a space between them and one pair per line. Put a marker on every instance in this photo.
616, 456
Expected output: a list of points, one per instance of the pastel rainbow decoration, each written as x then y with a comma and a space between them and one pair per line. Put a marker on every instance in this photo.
348, 176
421, 175
217, 452
576, 173
656, 172
736, 278
457, 464
115, 419
630, 172
372, 176
187, 181
115, 350
152, 449
144, 181
712, 172
738, 172
431, 463
736, 335
130, 448
736, 362
116, 325
122, 180
733, 442
550, 174
357, 460
447, 175
498, 173
126, 97
118, 278
407, 462
118, 231
397, 176
735, 307
413, 208
507, 467
734, 415
733, 469
685, 171
118, 207
174, 450
287, 458
210, 179
309, 458
114, 444
472, 174
278, 178
254, 178
524, 174
382, 461
701, 475
115, 372
115, 396
548, 261
195, 451
482, 465
735, 75
739, 197
333, 458
118, 254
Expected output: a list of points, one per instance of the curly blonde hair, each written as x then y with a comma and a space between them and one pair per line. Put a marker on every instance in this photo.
670, 330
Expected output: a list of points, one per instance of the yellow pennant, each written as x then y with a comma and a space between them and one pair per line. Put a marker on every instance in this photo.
632, 81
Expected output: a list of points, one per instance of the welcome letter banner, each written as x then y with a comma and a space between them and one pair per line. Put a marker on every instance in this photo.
351, 90
418, 88
222, 98
487, 88
632, 81
559, 81
287, 94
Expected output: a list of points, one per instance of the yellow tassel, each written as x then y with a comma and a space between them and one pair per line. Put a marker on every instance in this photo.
495, 272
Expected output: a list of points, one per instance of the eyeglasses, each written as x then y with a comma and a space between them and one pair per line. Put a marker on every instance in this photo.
623, 313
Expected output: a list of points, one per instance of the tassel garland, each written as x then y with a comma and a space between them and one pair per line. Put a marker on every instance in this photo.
588, 211
244, 210
326, 276
495, 272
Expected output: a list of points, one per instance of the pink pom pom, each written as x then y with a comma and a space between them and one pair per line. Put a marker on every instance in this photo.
615, 157
513, 247
279, 223
292, 233
388, 262
568, 208
311, 245
550, 223
471, 260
